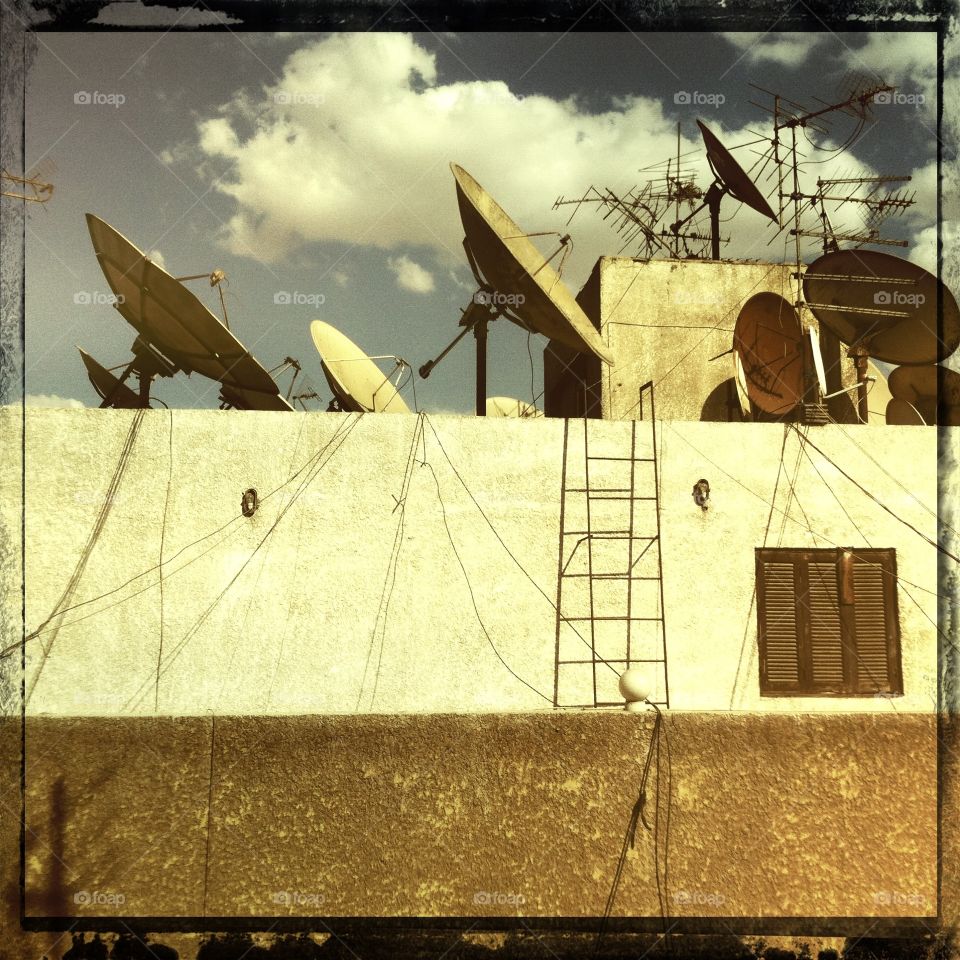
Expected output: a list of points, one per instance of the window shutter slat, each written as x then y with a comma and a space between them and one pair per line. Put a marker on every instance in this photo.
781, 624
871, 621
826, 638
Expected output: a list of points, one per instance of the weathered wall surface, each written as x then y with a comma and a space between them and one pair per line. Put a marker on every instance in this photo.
279, 613
667, 321
803, 816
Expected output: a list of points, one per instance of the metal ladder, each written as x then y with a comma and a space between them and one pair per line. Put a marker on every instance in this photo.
610, 611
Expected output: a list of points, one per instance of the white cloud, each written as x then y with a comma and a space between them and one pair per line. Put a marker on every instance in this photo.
785, 49
53, 401
157, 257
135, 14
410, 275
353, 144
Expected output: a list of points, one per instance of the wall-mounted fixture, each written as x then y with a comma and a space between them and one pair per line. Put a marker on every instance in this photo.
249, 502
701, 494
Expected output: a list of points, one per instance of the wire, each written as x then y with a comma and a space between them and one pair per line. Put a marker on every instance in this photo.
473, 599
163, 534
880, 503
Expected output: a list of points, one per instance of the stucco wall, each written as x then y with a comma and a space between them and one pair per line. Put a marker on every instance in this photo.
255, 622
804, 816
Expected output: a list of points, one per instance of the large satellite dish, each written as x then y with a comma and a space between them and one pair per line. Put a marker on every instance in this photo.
884, 302
171, 319
109, 387
933, 391
768, 339
508, 407
512, 266
358, 384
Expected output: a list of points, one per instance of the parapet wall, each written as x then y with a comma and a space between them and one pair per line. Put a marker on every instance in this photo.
334, 598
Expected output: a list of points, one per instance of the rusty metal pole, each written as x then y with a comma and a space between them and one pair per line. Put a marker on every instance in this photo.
480, 332
859, 355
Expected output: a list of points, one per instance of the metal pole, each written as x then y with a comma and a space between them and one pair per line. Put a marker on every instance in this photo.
480, 332
859, 354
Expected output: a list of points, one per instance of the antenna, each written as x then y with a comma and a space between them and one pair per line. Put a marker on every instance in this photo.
514, 281
357, 383
883, 307
509, 407
175, 330
32, 188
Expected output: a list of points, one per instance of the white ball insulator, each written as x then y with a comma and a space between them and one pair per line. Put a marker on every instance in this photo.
634, 686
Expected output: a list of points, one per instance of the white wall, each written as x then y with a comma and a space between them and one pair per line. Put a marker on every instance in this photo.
295, 631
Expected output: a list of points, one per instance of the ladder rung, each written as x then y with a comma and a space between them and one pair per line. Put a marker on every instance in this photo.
607, 660
632, 619
598, 490
613, 534
624, 459
609, 576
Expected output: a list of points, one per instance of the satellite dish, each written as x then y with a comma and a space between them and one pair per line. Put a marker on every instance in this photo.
934, 391
171, 319
902, 413
817, 354
884, 302
240, 399
732, 177
508, 407
107, 385
513, 267
358, 384
768, 339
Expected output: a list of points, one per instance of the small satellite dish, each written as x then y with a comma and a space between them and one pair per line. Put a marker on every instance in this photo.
732, 177
170, 318
508, 407
514, 268
768, 339
358, 384
885, 303
932, 390
817, 354
108, 386
901, 413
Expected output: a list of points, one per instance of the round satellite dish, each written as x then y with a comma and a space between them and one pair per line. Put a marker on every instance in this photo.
356, 381
170, 318
933, 390
818, 359
769, 341
732, 176
107, 385
508, 407
901, 413
516, 270
887, 302
878, 396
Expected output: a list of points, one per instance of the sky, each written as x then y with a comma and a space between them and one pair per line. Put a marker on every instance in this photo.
314, 171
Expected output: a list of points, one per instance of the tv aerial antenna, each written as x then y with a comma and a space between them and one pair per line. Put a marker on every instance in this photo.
32, 188
640, 215
515, 281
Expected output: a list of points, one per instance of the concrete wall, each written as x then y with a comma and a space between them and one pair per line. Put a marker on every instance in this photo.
285, 622
804, 816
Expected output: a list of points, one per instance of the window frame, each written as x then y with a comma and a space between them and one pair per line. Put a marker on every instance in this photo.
800, 558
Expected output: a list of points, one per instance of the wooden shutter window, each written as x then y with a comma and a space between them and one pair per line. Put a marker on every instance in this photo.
827, 622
